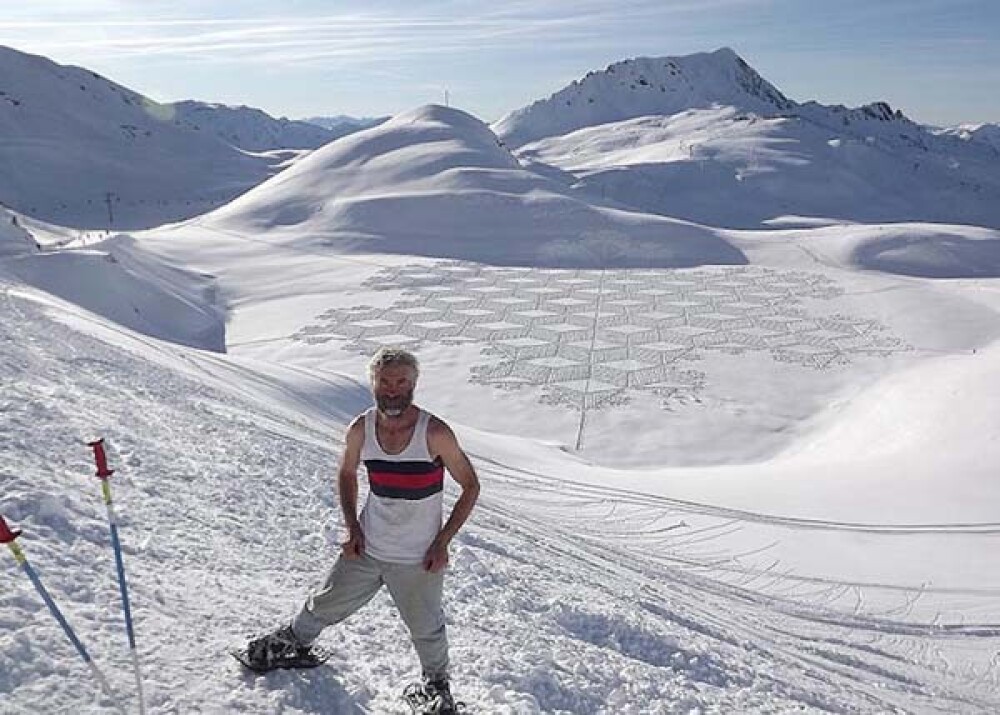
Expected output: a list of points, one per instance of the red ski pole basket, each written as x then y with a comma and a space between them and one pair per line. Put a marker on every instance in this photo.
6, 535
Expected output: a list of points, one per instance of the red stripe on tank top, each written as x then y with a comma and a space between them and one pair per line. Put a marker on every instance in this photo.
407, 481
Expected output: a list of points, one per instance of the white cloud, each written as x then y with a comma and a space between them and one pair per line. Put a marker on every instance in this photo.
114, 29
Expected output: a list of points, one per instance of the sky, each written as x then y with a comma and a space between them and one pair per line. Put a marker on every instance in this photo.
937, 60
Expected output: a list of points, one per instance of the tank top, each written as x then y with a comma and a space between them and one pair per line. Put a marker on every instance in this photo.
403, 512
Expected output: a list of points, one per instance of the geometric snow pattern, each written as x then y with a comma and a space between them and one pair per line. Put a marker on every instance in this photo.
593, 338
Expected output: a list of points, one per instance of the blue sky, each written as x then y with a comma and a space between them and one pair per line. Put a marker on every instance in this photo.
937, 60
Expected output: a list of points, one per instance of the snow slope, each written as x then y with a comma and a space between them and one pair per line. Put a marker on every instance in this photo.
83, 151
575, 589
143, 295
706, 139
15, 240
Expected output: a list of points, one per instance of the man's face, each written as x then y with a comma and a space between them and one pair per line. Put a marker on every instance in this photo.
393, 389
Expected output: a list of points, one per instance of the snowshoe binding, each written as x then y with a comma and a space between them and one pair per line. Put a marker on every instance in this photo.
279, 649
432, 697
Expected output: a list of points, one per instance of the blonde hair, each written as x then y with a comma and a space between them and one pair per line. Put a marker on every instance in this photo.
387, 356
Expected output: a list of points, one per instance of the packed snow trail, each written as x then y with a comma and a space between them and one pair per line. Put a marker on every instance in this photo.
562, 599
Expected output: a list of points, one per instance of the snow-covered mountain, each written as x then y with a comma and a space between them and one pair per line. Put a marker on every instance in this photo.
642, 87
249, 128
982, 133
82, 151
705, 138
342, 124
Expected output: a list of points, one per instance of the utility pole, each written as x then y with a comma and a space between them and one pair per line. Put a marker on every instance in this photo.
446, 98
111, 217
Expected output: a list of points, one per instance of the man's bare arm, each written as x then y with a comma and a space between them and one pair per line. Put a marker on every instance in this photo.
347, 487
443, 443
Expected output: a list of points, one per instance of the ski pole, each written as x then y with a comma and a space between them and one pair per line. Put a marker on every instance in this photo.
103, 473
9, 537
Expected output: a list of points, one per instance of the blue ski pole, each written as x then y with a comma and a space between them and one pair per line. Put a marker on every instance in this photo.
103, 473
9, 537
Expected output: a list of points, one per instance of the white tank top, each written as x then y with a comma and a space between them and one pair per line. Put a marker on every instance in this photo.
403, 512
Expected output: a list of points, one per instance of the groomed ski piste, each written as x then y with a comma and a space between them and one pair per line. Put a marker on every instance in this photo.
723, 471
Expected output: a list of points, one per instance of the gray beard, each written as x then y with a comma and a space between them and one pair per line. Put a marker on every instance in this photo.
394, 406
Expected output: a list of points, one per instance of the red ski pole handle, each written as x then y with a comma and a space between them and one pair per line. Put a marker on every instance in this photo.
6, 535
101, 459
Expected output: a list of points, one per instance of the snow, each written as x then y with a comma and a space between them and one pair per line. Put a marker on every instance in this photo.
724, 470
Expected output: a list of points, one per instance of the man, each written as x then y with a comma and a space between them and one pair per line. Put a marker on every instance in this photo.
398, 540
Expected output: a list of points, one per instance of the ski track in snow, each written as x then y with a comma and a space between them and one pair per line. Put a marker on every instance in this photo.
562, 598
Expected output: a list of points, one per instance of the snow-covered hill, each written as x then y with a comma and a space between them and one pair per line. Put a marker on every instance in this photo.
706, 139
249, 128
415, 184
82, 151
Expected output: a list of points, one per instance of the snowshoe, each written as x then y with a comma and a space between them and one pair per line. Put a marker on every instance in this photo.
279, 649
432, 697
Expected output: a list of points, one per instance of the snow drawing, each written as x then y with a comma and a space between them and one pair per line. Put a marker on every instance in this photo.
593, 338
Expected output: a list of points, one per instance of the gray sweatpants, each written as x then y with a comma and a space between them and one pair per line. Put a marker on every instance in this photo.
354, 582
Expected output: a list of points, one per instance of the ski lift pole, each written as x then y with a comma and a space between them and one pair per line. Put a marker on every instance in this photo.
103, 473
10, 538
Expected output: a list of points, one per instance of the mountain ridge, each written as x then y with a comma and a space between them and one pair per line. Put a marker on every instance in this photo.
251, 128
705, 138
343, 124
92, 154
669, 85
89, 153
